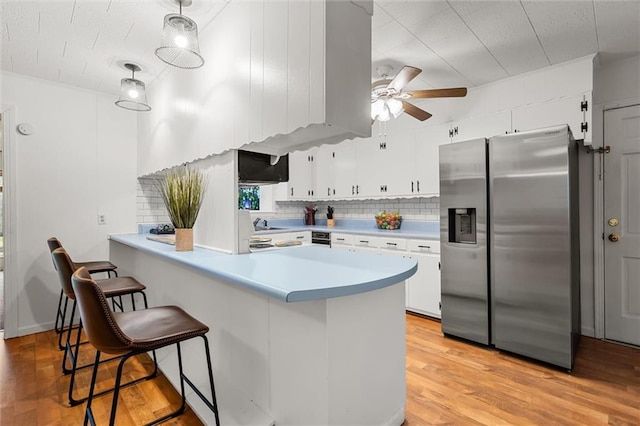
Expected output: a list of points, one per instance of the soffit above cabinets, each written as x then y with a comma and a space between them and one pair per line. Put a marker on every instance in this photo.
456, 43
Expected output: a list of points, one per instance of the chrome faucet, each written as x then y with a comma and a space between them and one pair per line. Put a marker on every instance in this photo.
257, 221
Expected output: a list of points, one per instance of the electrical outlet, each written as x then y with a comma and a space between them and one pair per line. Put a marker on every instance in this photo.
102, 219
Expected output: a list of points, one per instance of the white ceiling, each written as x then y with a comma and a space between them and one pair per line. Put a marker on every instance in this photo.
457, 43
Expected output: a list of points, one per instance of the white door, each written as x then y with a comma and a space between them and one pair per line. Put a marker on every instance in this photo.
622, 225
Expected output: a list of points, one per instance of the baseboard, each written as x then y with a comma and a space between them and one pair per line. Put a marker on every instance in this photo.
588, 331
35, 328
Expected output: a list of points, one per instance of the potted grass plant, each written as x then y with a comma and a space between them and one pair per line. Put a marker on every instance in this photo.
182, 191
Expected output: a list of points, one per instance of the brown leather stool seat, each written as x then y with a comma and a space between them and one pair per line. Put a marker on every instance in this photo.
132, 333
94, 267
111, 287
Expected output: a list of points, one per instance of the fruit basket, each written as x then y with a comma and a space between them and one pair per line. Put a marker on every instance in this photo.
388, 221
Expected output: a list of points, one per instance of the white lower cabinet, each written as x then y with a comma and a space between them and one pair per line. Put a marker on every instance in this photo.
423, 289
342, 241
302, 236
365, 243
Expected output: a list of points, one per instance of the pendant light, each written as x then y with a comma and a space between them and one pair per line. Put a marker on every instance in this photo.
133, 94
179, 43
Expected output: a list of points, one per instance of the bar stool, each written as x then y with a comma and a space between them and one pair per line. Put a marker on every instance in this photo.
133, 333
93, 267
111, 287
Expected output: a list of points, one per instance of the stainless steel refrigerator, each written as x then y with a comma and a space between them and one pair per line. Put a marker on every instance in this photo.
510, 243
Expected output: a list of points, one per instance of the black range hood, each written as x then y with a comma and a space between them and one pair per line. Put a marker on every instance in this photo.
255, 168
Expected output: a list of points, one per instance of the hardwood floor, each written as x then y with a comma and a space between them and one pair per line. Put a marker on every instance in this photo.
453, 382
448, 382
33, 390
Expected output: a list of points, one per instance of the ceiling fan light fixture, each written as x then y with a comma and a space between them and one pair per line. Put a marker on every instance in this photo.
376, 108
395, 107
179, 44
385, 114
133, 93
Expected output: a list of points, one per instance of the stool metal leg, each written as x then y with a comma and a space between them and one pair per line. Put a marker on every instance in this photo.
56, 328
88, 413
213, 406
73, 353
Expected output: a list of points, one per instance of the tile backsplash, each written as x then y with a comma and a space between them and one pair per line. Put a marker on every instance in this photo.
410, 208
150, 207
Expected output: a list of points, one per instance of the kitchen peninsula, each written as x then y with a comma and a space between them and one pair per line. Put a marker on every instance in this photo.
301, 335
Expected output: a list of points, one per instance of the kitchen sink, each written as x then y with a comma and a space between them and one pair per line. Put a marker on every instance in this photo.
267, 228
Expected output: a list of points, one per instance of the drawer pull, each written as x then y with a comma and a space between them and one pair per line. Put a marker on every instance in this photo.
424, 247
364, 242
340, 239
299, 237
392, 244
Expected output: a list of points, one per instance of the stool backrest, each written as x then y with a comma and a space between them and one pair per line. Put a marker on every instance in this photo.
65, 268
97, 318
53, 244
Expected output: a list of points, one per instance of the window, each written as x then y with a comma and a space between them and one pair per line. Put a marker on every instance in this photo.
249, 198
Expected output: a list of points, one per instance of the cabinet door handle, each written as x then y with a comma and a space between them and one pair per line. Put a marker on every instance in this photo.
353, 190
424, 247
328, 191
418, 186
292, 191
357, 189
411, 186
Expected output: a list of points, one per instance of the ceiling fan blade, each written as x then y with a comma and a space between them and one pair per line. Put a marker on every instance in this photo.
380, 83
414, 111
454, 92
406, 74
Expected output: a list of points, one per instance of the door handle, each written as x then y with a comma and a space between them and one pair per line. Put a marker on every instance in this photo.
614, 238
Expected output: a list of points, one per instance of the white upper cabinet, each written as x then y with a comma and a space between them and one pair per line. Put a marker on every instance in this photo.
570, 110
345, 165
481, 126
301, 175
402, 159
425, 180
325, 172
278, 77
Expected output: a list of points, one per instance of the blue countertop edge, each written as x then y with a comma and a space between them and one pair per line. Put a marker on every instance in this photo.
279, 273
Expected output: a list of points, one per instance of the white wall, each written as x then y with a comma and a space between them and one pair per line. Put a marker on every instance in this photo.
80, 161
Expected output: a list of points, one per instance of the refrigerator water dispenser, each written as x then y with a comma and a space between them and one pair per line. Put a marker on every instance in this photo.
462, 226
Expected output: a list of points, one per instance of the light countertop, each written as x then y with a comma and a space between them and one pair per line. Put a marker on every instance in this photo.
409, 229
291, 274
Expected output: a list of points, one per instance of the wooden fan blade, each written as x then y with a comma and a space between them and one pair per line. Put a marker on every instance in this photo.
454, 92
380, 83
414, 111
403, 78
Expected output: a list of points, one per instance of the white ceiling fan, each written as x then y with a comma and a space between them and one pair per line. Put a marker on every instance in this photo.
388, 100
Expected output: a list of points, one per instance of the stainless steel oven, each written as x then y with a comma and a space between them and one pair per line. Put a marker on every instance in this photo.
321, 237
